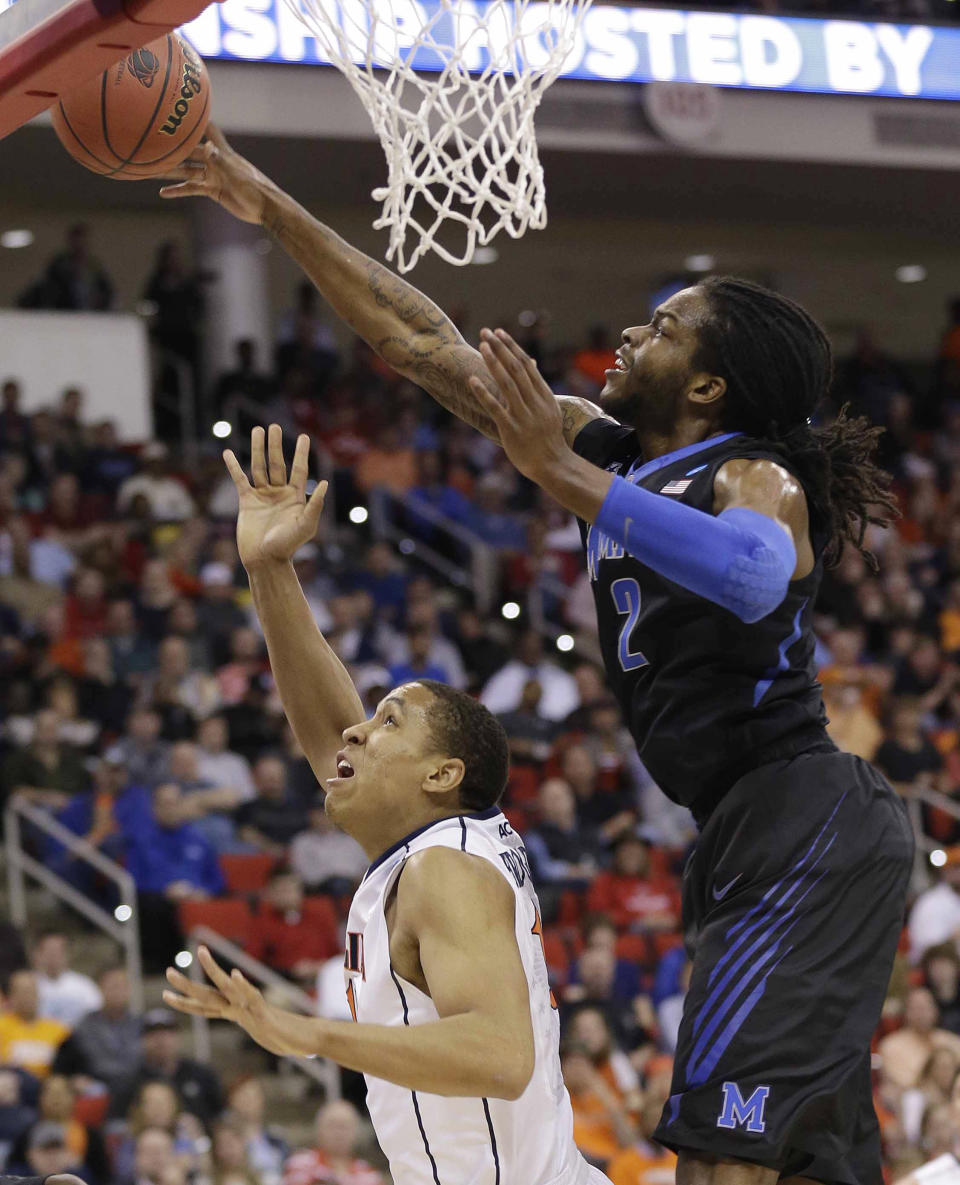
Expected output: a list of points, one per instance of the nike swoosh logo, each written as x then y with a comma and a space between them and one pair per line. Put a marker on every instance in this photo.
719, 894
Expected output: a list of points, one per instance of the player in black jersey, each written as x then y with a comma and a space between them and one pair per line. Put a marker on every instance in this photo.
709, 505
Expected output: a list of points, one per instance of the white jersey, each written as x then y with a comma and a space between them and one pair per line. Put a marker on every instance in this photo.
430, 1139
944, 1170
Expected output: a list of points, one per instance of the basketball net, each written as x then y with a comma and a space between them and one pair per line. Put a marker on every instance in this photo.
451, 87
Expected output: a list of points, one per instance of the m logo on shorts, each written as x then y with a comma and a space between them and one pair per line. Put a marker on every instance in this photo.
738, 1112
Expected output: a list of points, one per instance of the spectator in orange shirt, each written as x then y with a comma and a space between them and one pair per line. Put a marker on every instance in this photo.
847, 668
628, 894
950, 619
388, 463
646, 1163
596, 357
601, 1125
589, 1027
28, 1040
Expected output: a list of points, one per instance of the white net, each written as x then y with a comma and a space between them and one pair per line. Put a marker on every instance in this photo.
451, 87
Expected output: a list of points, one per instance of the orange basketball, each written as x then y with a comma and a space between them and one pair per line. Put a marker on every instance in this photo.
142, 116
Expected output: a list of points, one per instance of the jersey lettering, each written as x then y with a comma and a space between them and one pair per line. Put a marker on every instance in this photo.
601, 547
627, 600
353, 956
505, 830
517, 864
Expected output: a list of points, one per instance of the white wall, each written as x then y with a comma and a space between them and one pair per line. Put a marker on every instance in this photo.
105, 354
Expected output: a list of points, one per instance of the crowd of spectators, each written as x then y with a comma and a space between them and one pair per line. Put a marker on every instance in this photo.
87, 1086
139, 709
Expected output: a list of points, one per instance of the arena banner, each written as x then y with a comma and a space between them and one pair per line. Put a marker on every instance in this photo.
624, 44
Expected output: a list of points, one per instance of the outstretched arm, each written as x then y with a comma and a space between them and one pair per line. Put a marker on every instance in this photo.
743, 557
275, 520
407, 330
456, 915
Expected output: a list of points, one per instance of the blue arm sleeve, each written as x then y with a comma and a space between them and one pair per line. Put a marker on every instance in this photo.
739, 559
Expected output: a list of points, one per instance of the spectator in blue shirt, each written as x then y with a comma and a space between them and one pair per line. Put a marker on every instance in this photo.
170, 861
104, 815
418, 665
383, 580
432, 493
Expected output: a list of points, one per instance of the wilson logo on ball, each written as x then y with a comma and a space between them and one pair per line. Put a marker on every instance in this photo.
192, 86
144, 66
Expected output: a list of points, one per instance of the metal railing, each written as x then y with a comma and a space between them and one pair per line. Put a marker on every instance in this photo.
321, 1070
483, 569
915, 800
21, 865
184, 403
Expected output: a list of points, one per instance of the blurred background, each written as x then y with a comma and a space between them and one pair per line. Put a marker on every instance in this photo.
152, 792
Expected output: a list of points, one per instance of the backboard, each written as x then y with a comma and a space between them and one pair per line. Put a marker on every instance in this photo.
49, 46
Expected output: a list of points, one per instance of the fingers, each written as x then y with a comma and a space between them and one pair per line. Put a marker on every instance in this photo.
518, 352
488, 401
216, 974
501, 364
186, 189
235, 469
315, 505
301, 464
247, 993
278, 468
194, 988
258, 463
195, 1007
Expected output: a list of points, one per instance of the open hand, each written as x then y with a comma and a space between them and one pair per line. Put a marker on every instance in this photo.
527, 413
215, 171
227, 997
275, 517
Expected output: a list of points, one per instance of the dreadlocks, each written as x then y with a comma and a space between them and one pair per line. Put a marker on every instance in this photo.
778, 366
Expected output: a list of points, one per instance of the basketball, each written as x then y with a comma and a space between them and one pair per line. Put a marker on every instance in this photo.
141, 117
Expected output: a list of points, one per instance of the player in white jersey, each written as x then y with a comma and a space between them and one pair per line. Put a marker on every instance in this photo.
457, 1031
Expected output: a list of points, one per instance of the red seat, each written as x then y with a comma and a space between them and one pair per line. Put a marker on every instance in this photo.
227, 916
571, 909
323, 916
634, 948
666, 940
246, 872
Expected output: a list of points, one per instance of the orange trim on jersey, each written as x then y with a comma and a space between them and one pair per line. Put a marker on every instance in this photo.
538, 931
352, 1000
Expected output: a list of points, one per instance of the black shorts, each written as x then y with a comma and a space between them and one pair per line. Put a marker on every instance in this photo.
795, 899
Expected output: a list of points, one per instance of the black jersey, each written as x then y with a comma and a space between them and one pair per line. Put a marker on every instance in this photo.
706, 696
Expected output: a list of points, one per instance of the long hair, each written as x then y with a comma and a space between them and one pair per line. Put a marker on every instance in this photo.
778, 366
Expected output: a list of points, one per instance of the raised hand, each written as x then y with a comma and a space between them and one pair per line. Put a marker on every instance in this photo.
527, 415
227, 997
215, 171
275, 516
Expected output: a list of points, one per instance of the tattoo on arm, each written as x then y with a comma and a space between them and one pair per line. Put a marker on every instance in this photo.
410, 305
575, 413
445, 373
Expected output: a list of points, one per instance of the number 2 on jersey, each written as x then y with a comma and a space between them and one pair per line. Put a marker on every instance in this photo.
626, 599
